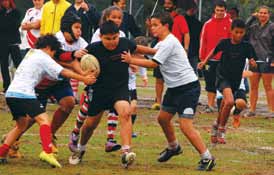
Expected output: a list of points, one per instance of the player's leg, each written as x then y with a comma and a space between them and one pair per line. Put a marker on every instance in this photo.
133, 105
267, 82
74, 84
254, 87
240, 105
112, 122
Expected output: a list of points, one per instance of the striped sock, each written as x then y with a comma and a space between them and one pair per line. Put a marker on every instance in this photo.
112, 124
81, 116
74, 84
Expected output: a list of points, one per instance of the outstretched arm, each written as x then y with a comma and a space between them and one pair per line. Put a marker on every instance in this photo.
127, 58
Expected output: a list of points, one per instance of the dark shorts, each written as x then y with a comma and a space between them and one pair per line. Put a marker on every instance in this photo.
98, 101
221, 84
133, 94
60, 90
22, 107
262, 68
210, 76
182, 100
157, 73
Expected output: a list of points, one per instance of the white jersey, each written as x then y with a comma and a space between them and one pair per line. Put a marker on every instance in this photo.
173, 62
35, 66
32, 15
96, 36
79, 44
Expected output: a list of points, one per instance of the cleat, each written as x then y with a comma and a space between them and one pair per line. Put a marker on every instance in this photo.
167, 154
14, 149
73, 141
76, 157
214, 132
50, 159
209, 109
156, 106
134, 135
221, 136
3, 160
111, 146
236, 121
128, 158
206, 164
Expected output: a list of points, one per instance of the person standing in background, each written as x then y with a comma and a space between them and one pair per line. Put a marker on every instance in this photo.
53, 11
9, 38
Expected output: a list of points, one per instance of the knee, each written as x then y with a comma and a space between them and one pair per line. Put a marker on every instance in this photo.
125, 115
67, 106
240, 104
162, 120
229, 103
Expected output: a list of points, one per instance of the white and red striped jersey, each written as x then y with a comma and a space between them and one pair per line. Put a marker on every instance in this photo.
32, 15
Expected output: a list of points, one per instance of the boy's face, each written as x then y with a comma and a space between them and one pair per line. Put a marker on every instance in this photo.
219, 12
76, 29
157, 27
237, 34
110, 41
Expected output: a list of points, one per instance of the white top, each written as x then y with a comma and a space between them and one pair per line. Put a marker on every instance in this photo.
79, 44
174, 64
32, 15
96, 36
35, 66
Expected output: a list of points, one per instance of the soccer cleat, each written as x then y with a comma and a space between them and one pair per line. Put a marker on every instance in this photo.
209, 109
76, 157
73, 141
14, 149
214, 133
206, 164
49, 158
168, 153
111, 146
236, 121
3, 160
156, 106
221, 136
128, 158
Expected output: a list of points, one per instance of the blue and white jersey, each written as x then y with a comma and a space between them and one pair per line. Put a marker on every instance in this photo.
35, 66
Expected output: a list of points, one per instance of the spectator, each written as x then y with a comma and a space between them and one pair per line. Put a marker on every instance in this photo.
9, 38
234, 13
195, 27
128, 24
31, 22
89, 17
53, 11
261, 36
215, 29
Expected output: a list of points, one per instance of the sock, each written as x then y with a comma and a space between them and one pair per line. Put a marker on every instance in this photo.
133, 118
81, 117
206, 155
4, 149
74, 84
45, 136
173, 145
112, 124
125, 148
81, 147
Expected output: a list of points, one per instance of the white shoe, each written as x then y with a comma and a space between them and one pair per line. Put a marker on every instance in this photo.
76, 157
128, 158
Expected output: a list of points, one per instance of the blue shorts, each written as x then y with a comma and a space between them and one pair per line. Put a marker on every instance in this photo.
182, 100
60, 90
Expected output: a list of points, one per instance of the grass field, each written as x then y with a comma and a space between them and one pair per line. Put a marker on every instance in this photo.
249, 151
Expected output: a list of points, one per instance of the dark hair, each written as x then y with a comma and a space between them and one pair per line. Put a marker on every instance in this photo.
107, 12
238, 23
164, 18
68, 20
114, 1
220, 3
12, 4
109, 27
141, 40
236, 10
48, 40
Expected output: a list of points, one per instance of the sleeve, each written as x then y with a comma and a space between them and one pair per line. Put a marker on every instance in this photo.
83, 43
203, 43
163, 53
220, 47
90, 48
131, 45
183, 25
133, 28
52, 68
95, 36
251, 52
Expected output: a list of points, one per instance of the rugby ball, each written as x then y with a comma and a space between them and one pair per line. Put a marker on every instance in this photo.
90, 63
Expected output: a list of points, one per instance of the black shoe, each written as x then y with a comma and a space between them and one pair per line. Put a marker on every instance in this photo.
167, 154
206, 164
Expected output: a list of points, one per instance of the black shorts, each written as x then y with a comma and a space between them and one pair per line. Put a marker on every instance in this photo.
22, 107
221, 84
263, 67
100, 101
157, 73
60, 90
210, 76
182, 100
133, 94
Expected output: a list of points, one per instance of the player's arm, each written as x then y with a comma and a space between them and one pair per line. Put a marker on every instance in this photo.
186, 41
87, 79
127, 58
203, 63
145, 50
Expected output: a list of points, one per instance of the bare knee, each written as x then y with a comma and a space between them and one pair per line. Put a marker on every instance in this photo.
67, 105
163, 120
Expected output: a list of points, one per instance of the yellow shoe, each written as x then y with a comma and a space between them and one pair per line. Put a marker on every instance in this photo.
156, 106
49, 158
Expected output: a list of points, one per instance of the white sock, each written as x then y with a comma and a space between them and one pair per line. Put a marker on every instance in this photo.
173, 145
81, 147
125, 148
206, 155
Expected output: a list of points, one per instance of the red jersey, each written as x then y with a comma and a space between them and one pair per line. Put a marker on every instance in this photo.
180, 26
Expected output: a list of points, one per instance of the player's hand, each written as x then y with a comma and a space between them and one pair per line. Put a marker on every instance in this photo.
201, 65
79, 53
252, 63
89, 79
272, 65
84, 6
134, 68
126, 57
145, 81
